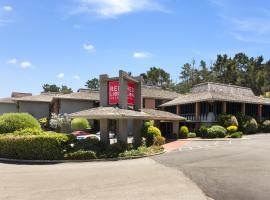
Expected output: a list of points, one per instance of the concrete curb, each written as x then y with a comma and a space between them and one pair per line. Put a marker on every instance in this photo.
216, 139
19, 161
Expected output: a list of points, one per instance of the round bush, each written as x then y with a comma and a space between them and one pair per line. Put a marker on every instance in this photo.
11, 122
29, 131
191, 135
232, 129
203, 131
153, 131
79, 124
266, 126
47, 146
216, 131
184, 131
251, 126
145, 127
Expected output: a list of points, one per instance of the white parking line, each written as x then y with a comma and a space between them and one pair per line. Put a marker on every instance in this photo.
216, 144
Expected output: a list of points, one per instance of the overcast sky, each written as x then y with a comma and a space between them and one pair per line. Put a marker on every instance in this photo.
71, 41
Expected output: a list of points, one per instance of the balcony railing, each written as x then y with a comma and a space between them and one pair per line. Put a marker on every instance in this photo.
206, 117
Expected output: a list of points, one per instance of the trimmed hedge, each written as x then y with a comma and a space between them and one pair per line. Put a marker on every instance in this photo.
79, 124
232, 129
216, 131
81, 155
236, 135
266, 126
46, 146
191, 135
11, 122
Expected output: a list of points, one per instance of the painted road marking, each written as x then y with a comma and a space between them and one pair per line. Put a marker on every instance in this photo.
216, 144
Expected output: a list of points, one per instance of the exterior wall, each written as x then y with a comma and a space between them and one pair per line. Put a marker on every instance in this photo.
149, 103
8, 108
37, 109
71, 106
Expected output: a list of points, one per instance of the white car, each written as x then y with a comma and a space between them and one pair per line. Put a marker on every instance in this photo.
82, 137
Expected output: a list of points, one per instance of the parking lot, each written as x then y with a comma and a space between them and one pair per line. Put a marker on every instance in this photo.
226, 170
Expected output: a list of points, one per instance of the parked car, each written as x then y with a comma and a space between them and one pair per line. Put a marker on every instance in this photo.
111, 135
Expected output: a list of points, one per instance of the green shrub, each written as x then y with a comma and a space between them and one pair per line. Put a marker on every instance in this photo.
232, 129
11, 122
216, 131
153, 131
241, 118
60, 123
145, 127
191, 135
224, 120
266, 126
113, 150
251, 126
236, 135
29, 131
203, 131
44, 123
47, 146
89, 144
159, 141
81, 155
184, 131
79, 124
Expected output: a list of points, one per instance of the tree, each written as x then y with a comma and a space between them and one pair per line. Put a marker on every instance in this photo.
157, 77
50, 88
54, 88
65, 90
92, 84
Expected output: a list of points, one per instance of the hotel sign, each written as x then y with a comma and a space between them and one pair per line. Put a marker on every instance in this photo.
114, 93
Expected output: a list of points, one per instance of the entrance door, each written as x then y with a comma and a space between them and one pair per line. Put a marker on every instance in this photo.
166, 129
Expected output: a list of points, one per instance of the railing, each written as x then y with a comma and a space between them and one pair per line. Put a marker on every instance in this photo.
209, 117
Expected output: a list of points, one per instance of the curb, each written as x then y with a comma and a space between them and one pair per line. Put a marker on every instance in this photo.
221, 139
19, 161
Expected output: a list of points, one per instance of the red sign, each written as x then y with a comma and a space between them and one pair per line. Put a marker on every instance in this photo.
114, 93
130, 93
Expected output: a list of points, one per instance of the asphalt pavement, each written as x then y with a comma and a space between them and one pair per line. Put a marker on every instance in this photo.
226, 170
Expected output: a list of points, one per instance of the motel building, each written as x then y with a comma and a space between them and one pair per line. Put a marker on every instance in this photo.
121, 110
207, 100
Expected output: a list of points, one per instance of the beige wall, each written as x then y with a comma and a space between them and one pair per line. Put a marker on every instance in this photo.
8, 108
71, 106
37, 109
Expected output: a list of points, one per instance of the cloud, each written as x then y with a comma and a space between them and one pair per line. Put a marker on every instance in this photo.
12, 61
141, 54
250, 24
114, 8
76, 77
7, 8
61, 75
25, 64
89, 47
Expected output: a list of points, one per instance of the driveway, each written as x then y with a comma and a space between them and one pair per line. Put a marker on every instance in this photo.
226, 170
140, 179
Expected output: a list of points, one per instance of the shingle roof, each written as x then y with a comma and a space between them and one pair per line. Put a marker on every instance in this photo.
82, 95
7, 100
117, 113
158, 93
44, 97
20, 94
219, 92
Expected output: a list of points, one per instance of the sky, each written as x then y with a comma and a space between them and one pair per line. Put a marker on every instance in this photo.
67, 42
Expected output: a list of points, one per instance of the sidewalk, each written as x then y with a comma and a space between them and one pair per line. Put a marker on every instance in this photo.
170, 146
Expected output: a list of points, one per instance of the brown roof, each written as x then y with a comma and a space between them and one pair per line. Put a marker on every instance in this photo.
162, 115
158, 93
117, 113
7, 100
20, 94
81, 95
44, 97
110, 113
219, 92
